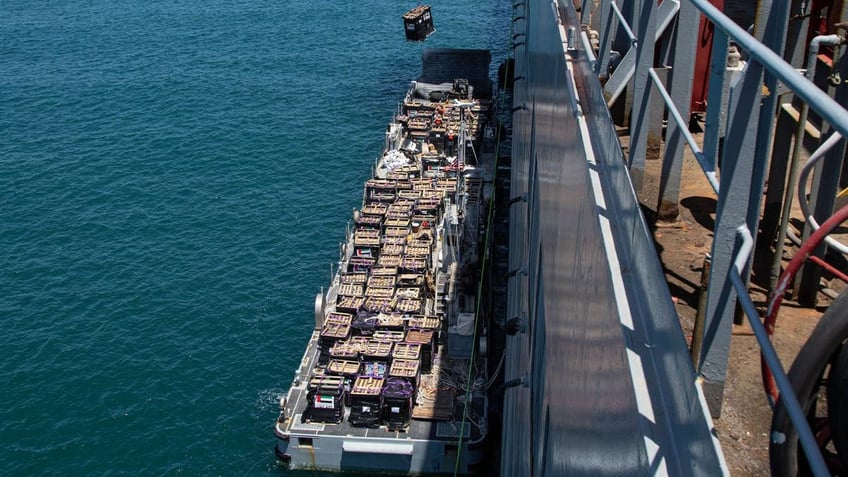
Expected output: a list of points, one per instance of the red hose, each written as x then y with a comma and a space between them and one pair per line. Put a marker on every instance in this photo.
786, 278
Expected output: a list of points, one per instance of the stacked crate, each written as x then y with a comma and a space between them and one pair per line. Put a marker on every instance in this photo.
325, 399
366, 402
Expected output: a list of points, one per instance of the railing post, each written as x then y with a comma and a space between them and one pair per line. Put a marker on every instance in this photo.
640, 117
737, 181
683, 44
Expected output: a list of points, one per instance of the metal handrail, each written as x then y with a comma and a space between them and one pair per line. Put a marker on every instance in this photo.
683, 126
793, 408
831, 112
624, 24
817, 99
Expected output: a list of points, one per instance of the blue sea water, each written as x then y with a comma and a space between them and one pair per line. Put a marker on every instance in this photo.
175, 176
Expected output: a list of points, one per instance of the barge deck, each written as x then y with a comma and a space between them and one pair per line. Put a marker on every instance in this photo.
392, 379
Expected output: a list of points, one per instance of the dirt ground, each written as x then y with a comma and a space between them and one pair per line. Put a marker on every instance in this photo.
746, 417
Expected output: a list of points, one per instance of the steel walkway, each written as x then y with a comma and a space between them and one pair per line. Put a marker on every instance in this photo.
602, 382
610, 388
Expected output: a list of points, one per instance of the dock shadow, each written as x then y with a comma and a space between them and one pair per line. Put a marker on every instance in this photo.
703, 210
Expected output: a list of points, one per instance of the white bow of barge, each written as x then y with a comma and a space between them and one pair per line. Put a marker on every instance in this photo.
392, 379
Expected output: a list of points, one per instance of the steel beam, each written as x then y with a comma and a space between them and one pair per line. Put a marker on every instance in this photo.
683, 45
640, 117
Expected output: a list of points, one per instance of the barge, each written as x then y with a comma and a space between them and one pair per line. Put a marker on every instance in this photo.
394, 376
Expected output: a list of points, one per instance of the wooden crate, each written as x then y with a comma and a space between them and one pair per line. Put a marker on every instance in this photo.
384, 281
379, 304
344, 350
425, 322
336, 330
397, 221
325, 384
353, 278
413, 263
404, 368
396, 231
408, 305
375, 208
367, 386
338, 317
369, 221
419, 336
377, 349
408, 293
407, 351
366, 237
383, 271
399, 240
391, 261
390, 320
392, 249
386, 335
379, 292
343, 367
351, 289
349, 348
352, 303
417, 250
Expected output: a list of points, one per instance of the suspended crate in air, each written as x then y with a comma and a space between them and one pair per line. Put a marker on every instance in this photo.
418, 23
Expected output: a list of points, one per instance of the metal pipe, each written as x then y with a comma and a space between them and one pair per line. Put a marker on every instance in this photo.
802, 183
800, 128
792, 268
793, 408
698, 327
